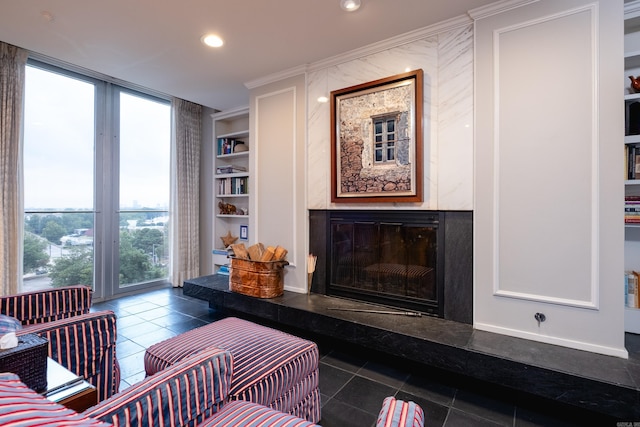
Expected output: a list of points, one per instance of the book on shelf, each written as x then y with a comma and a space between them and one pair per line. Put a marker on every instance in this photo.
224, 270
632, 209
230, 169
228, 146
233, 185
632, 154
631, 292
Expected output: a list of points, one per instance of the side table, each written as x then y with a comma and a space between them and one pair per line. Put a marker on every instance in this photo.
68, 389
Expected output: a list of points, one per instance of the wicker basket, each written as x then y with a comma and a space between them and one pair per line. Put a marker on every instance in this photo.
256, 278
28, 360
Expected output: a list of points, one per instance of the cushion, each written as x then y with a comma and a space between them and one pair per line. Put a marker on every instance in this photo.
9, 324
398, 413
182, 395
21, 406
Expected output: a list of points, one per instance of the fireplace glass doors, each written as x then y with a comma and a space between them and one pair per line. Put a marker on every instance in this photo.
389, 259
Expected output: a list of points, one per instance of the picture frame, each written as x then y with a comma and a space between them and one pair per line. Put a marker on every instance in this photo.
244, 232
376, 141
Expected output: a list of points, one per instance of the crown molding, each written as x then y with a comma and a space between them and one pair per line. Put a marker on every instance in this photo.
373, 48
393, 42
497, 7
271, 78
409, 37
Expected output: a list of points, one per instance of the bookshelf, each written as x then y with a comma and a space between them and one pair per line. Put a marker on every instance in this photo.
632, 156
232, 180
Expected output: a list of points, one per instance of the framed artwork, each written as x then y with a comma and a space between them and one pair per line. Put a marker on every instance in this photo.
376, 141
244, 232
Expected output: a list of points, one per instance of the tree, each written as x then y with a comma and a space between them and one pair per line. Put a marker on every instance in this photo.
134, 263
53, 231
75, 268
77, 220
34, 252
145, 239
33, 223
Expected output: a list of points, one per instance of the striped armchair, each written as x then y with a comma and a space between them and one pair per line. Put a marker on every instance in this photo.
82, 342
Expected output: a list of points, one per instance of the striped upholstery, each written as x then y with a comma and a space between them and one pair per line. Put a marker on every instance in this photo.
47, 305
398, 413
248, 414
271, 368
185, 395
86, 345
21, 406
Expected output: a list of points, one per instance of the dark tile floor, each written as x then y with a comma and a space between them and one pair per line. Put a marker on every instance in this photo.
353, 382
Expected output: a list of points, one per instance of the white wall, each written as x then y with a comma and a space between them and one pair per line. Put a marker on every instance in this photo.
278, 174
549, 182
446, 58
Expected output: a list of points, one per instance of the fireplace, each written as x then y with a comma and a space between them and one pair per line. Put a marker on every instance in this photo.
409, 259
387, 258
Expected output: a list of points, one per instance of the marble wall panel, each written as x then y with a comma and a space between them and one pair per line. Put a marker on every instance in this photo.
447, 62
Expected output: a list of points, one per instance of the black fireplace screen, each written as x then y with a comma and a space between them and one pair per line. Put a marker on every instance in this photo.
393, 263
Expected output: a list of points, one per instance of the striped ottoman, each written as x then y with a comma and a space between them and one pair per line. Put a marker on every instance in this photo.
270, 367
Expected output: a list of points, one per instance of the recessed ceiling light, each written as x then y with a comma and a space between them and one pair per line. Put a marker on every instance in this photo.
350, 5
323, 99
212, 40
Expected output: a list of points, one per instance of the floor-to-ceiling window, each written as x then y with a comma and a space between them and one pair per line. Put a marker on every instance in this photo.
96, 183
144, 136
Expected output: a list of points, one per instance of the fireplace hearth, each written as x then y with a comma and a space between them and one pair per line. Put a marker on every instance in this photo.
416, 260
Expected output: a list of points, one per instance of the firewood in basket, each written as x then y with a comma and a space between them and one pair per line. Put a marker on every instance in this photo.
280, 253
256, 251
240, 251
268, 254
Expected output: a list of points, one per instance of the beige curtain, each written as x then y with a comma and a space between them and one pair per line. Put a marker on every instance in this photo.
12, 74
185, 190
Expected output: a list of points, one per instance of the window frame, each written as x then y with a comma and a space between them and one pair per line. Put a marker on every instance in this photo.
385, 145
106, 171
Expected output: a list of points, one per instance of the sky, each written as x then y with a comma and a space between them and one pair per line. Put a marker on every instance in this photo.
59, 146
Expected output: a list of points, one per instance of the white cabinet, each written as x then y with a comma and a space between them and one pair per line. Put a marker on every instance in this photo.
632, 142
232, 176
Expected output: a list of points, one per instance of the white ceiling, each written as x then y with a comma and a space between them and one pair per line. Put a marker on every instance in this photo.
156, 43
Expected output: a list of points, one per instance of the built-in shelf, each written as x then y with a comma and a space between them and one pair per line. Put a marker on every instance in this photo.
632, 186
231, 131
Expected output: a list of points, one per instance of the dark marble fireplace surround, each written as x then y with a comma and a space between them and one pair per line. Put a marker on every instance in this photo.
455, 251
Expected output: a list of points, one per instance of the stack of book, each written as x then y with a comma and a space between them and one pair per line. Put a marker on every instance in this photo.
632, 210
230, 169
631, 294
